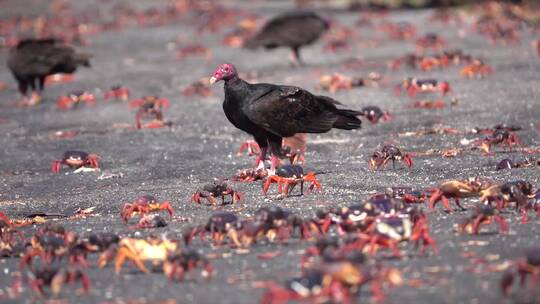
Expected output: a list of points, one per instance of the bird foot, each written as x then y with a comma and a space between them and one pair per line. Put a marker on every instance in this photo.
34, 99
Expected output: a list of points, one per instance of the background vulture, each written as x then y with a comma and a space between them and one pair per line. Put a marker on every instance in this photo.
32, 60
292, 30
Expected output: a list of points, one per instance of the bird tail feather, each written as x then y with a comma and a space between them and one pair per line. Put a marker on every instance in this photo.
347, 120
83, 59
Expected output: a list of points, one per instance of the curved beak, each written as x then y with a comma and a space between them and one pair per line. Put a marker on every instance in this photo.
212, 80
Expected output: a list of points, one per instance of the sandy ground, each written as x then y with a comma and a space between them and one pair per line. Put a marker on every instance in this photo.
172, 163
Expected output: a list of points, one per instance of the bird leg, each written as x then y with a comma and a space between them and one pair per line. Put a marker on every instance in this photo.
295, 57
275, 163
259, 162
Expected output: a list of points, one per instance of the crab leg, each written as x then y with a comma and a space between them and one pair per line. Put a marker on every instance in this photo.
122, 255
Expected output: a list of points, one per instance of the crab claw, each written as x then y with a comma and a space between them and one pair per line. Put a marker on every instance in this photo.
196, 198
55, 167
310, 177
207, 271
136, 103
436, 197
126, 212
407, 160
154, 124
412, 91
166, 205
93, 160
387, 116
237, 196
445, 88
64, 103
163, 102
251, 146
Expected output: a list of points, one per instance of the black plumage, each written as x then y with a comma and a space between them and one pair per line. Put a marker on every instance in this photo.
32, 60
270, 112
292, 30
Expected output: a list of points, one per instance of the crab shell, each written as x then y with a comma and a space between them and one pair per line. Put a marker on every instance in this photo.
155, 250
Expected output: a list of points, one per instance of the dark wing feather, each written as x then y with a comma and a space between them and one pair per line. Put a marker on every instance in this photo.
287, 110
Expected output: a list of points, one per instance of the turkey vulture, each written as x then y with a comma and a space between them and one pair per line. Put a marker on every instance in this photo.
34, 59
271, 112
293, 30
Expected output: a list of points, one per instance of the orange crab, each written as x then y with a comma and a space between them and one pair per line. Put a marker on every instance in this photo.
476, 69
455, 189
144, 205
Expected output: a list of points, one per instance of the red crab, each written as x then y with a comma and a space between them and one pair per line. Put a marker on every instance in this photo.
78, 160
117, 92
388, 232
518, 192
484, 215
476, 69
529, 265
150, 105
499, 137
55, 278
144, 205
185, 260
290, 176
389, 152
219, 225
251, 146
332, 282
399, 30
430, 41
374, 114
73, 99
199, 87
414, 86
293, 147
212, 191
431, 63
